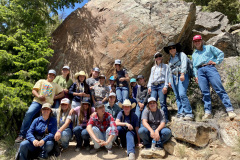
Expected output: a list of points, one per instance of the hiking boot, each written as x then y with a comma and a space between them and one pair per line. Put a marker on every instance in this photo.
110, 151
131, 156
180, 116
206, 117
77, 149
187, 118
231, 115
19, 139
93, 151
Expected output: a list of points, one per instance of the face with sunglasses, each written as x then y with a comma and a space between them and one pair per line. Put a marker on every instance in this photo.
158, 58
172, 50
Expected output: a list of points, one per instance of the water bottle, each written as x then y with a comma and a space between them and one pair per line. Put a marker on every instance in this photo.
153, 147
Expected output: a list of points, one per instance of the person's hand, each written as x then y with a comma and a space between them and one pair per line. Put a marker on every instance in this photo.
211, 63
35, 143
130, 127
141, 106
81, 94
41, 143
103, 143
164, 90
152, 134
121, 79
57, 136
42, 98
169, 84
182, 78
93, 114
91, 87
149, 90
196, 80
65, 90
156, 135
71, 112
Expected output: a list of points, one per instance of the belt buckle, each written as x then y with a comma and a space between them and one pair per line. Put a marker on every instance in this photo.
155, 83
120, 85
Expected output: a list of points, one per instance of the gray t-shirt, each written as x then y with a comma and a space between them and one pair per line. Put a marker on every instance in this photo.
91, 81
154, 119
63, 117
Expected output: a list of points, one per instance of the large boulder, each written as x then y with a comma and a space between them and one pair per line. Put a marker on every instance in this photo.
197, 133
130, 30
209, 24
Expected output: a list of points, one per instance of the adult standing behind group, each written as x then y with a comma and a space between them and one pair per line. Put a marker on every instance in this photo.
179, 79
205, 57
122, 78
44, 91
158, 82
79, 89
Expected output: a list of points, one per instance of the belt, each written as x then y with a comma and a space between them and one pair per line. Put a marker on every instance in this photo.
157, 83
204, 65
122, 85
176, 73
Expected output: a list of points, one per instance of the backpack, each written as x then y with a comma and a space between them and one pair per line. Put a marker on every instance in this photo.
189, 66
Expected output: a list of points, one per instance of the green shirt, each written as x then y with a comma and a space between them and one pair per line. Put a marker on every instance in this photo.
112, 110
62, 82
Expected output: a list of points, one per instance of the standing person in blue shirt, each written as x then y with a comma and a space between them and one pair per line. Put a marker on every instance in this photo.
40, 136
205, 57
179, 79
122, 78
133, 90
128, 125
158, 82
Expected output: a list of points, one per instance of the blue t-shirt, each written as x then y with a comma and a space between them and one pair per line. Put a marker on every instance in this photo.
124, 118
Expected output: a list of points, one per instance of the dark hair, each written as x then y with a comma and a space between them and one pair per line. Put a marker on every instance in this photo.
86, 86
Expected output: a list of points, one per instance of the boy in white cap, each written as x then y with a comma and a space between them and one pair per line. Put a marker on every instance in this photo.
44, 91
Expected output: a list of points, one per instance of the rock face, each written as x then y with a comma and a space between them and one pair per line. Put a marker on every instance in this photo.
209, 24
130, 30
196, 133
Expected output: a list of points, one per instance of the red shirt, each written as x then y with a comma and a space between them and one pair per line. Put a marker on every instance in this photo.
108, 121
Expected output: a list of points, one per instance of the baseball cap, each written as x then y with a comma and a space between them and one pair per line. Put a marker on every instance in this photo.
157, 54
140, 76
112, 94
117, 61
96, 69
86, 100
151, 99
52, 71
65, 101
102, 76
66, 67
98, 104
112, 78
46, 105
132, 80
197, 37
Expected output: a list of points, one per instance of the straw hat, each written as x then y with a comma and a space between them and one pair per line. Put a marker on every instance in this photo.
127, 103
81, 73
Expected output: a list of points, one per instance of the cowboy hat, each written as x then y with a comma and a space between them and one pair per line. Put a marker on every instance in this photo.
170, 44
127, 103
81, 73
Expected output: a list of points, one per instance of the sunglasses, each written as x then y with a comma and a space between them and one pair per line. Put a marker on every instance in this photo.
170, 48
158, 56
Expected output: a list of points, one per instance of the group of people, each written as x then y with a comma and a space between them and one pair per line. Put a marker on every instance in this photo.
90, 109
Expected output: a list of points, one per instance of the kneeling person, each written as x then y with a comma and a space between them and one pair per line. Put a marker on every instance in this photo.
102, 128
154, 129
128, 125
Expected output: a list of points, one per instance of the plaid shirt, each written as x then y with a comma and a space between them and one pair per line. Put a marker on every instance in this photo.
108, 121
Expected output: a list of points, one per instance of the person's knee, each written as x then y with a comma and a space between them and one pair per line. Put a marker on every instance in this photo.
166, 132
24, 145
49, 146
85, 135
142, 131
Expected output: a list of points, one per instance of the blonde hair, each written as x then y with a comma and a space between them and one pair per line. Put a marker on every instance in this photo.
60, 113
81, 115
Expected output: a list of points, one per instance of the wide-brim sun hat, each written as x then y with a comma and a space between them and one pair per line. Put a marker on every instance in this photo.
47, 105
81, 73
127, 102
170, 44
65, 101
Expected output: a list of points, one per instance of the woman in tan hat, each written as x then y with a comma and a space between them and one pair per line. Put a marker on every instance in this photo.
128, 125
40, 135
79, 89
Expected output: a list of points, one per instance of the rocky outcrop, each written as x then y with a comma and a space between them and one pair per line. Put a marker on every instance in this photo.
130, 30
225, 42
197, 133
149, 153
209, 24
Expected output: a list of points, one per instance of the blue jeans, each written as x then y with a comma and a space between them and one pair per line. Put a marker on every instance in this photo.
122, 93
31, 112
103, 136
139, 113
27, 147
165, 134
75, 104
210, 74
56, 103
157, 93
66, 136
180, 91
127, 137
81, 135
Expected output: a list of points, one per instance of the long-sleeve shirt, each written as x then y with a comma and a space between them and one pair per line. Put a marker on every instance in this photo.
209, 53
159, 73
74, 88
112, 110
108, 121
176, 65
142, 94
38, 128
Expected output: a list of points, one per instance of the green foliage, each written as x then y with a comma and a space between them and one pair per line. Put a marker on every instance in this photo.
25, 29
231, 8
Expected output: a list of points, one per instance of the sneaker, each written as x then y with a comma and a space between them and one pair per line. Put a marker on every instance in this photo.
187, 118
180, 116
206, 116
131, 156
231, 115
77, 149
88, 147
110, 151
19, 139
93, 151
